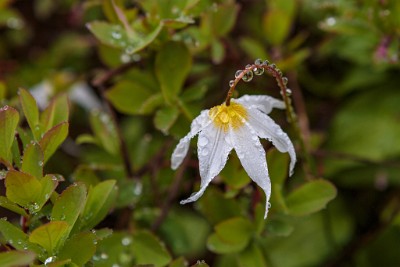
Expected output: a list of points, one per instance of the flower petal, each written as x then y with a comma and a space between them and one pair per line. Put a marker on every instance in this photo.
181, 149
252, 156
213, 151
268, 129
264, 103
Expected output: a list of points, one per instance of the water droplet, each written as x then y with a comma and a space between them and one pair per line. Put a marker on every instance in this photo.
50, 260
258, 61
15, 23
248, 66
202, 140
231, 83
116, 34
273, 66
288, 92
115, 265
237, 73
125, 58
103, 256
129, 49
126, 241
266, 62
258, 71
254, 137
41, 163
269, 205
285, 80
248, 76
204, 152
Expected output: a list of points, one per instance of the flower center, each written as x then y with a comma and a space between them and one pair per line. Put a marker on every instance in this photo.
224, 116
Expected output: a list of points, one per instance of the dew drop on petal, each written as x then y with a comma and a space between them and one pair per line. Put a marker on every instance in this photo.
202, 141
204, 152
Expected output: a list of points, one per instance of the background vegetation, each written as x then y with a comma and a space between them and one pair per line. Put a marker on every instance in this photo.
111, 86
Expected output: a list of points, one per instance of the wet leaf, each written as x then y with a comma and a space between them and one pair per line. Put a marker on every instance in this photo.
79, 248
32, 161
149, 250
50, 236
52, 139
22, 188
16, 258
31, 111
9, 118
165, 118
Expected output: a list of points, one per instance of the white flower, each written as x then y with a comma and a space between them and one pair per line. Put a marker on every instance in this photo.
238, 126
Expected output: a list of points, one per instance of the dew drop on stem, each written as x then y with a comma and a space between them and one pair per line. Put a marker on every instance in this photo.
247, 77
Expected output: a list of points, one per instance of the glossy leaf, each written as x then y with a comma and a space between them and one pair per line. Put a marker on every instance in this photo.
149, 250
7, 204
99, 201
17, 238
105, 131
165, 118
252, 256
50, 236
52, 139
56, 112
31, 111
32, 161
79, 248
22, 188
69, 204
9, 118
114, 35
132, 97
16, 258
172, 66
310, 197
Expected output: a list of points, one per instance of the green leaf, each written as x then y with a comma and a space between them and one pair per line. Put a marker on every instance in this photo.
252, 256
193, 93
17, 238
105, 131
69, 204
99, 201
179, 262
50, 236
7, 204
23, 189
56, 112
16, 258
114, 35
310, 197
279, 227
52, 139
165, 118
217, 245
32, 161
131, 97
220, 22
149, 250
173, 63
216, 208
48, 185
31, 111
217, 52
278, 170
9, 118
79, 248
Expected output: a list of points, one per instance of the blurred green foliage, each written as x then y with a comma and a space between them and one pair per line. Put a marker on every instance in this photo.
111, 86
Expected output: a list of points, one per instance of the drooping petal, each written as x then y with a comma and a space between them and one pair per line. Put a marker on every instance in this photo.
264, 103
213, 151
252, 156
266, 128
182, 148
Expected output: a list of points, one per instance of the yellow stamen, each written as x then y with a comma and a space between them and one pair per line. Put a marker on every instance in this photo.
224, 116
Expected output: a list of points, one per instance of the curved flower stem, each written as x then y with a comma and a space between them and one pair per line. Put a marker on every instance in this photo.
271, 69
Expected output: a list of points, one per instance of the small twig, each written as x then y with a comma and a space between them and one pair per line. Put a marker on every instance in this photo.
172, 192
106, 77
